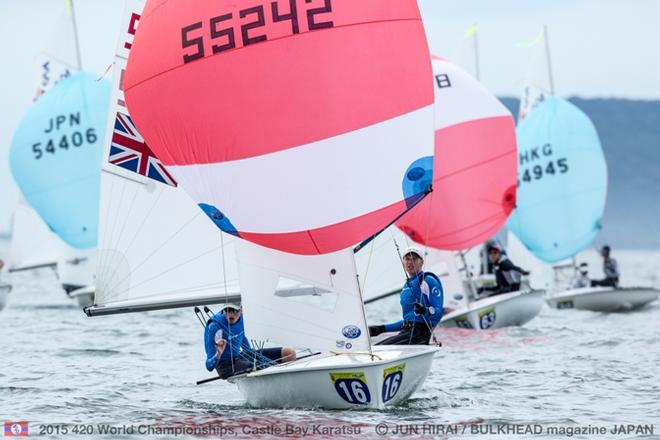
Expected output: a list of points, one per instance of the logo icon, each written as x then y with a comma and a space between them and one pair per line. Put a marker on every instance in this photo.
351, 331
16, 429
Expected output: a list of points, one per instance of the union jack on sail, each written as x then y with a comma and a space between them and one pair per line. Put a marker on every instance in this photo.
130, 151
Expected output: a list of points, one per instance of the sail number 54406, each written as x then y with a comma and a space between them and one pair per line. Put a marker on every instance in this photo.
231, 30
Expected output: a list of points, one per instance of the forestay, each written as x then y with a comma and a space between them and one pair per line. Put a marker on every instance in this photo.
563, 181
157, 249
474, 182
316, 114
55, 156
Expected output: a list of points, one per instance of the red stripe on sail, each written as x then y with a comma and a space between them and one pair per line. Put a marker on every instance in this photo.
329, 238
473, 190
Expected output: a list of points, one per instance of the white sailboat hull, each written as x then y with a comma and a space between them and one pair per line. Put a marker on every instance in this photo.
505, 310
341, 381
4, 292
603, 299
84, 295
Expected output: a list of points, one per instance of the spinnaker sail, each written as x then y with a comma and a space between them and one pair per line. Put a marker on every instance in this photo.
282, 108
562, 181
474, 183
56, 153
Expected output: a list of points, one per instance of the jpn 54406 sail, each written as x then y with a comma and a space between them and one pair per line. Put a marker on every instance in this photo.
55, 156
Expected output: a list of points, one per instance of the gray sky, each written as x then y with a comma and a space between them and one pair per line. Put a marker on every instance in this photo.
600, 48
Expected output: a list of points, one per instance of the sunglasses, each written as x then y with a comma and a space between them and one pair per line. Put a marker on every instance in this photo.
232, 310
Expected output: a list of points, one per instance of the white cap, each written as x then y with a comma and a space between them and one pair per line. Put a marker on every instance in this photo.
230, 306
414, 250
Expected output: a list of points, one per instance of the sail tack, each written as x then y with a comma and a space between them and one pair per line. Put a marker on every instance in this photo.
318, 115
562, 179
55, 157
474, 182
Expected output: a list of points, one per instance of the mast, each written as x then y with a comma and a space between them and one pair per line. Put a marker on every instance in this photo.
547, 53
75, 33
476, 52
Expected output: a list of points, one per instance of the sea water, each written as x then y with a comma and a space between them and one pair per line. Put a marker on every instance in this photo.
565, 374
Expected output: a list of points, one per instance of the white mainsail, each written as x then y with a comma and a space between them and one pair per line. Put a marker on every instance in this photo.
156, 248
539, 82
32, 243
61, 55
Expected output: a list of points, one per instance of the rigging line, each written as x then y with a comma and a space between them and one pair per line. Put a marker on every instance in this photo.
224, 267
177, 266
158, 248
366, 270
101, 277
361, 299
123, 227
357, 248
111, 236
130, 244
403, 265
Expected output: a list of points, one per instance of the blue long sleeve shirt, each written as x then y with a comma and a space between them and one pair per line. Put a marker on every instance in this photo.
426, 290
234, 334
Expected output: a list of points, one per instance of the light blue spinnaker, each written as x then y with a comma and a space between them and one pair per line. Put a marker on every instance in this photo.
55, 157
562, 178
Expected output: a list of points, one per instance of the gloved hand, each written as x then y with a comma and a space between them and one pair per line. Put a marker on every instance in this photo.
375, 330
420, 309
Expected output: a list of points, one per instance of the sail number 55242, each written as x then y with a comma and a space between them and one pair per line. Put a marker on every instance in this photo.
251, 25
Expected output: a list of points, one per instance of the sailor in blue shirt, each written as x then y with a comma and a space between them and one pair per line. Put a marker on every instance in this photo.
228, 350
421, 303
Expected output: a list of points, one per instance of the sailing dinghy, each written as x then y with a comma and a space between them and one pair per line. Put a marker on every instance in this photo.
563, 186
34, 243
474, 193
265, 157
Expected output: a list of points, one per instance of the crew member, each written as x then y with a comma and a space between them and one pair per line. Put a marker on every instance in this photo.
228, 349
421, 304
507, 274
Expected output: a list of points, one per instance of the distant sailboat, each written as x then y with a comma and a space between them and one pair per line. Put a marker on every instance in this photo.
301, 200
54, 157
562, 187
59, 60
474, 192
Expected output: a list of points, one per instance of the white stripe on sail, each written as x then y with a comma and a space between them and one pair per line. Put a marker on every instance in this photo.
363, 176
